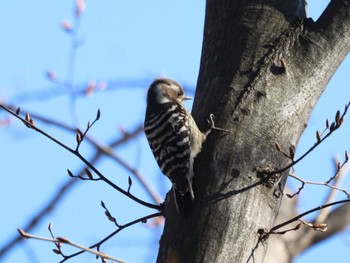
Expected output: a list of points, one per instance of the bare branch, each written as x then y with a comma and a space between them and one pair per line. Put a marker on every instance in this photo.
337, 221
107, 150
81, 136
325, 219
109, 215
322, 227
304, 182
68, 242
332, 23
297, 227
120, 228
86, 162
61, 191
340, 174
306, 213
334, 126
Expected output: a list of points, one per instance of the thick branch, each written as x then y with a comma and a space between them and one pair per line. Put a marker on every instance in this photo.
334, 26
322, 47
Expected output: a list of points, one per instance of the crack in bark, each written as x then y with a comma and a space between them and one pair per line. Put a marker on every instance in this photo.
274, 61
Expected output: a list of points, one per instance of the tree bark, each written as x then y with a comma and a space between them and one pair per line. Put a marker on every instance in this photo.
263, 68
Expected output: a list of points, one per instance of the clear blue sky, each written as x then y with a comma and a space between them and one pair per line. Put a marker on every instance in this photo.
125, 44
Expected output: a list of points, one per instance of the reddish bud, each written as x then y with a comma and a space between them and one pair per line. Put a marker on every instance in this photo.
90, 88
337, 116
320, 227
79, 136
318, 136
66, 25
80, 7
27, 117
340, 121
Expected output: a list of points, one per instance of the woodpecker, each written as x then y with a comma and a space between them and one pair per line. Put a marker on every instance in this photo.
172, 133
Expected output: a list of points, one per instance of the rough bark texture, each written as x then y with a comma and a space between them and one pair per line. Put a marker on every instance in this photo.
262, 70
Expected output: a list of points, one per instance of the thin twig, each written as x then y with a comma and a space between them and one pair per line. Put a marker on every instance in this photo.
304, 182
35, 220
306, 213
336, 186
86, 162
63, 189
120, 228
320, 220
107, 150
68, 242
334, 126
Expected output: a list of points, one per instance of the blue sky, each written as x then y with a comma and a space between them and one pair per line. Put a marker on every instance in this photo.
124, 44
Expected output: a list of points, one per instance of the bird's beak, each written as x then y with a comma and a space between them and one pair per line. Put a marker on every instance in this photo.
187, 98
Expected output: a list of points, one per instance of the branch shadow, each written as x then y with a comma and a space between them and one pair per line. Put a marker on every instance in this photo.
220, 196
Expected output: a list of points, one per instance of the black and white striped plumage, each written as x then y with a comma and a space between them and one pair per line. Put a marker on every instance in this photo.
172, 133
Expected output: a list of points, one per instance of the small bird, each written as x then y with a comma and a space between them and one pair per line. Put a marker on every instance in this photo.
172, 133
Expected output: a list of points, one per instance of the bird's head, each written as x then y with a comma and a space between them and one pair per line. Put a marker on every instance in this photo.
166, 90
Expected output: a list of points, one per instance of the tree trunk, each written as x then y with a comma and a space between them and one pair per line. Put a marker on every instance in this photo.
263, 68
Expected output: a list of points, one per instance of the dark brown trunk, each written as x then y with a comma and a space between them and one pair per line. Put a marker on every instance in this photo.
262, 70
